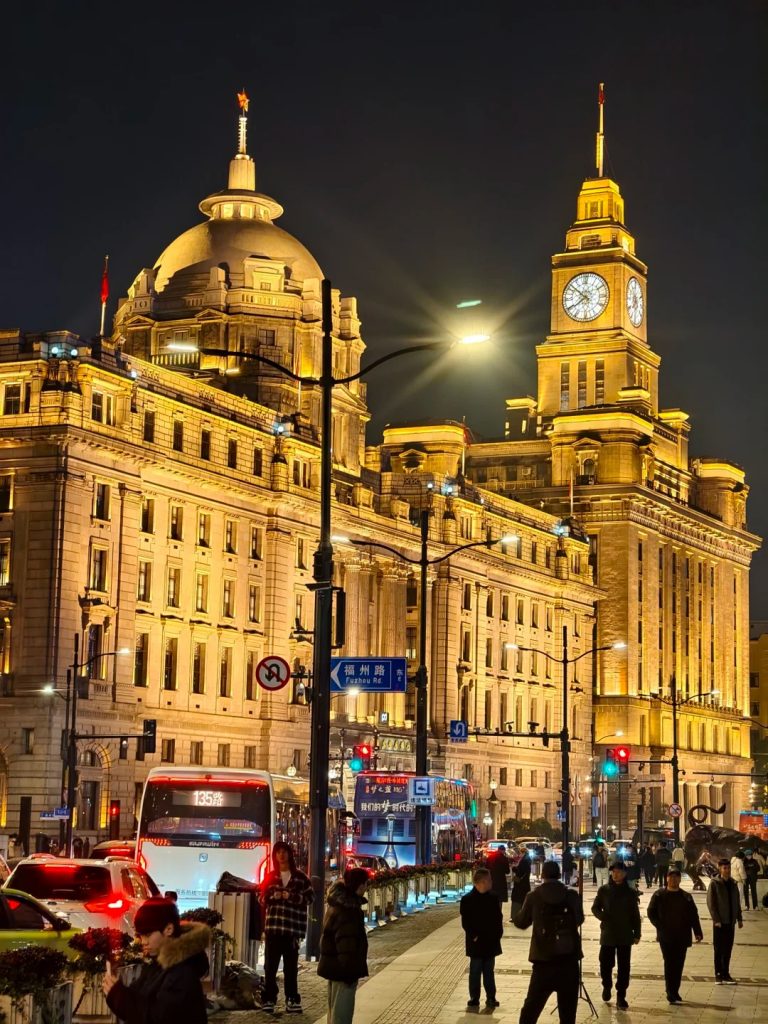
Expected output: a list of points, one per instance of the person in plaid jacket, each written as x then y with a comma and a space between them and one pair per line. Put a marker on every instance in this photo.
285, 895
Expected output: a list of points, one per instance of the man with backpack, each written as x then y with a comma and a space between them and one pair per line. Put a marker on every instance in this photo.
600, 863
556, 915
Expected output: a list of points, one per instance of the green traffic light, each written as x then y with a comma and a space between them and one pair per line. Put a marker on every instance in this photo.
610, 769
356, 765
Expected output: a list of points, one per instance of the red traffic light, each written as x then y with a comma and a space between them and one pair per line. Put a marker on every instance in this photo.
622, 754
114, 808
364, 749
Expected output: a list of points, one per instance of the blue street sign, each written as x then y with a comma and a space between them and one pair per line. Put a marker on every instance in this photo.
458, 731
373, 675
560, 815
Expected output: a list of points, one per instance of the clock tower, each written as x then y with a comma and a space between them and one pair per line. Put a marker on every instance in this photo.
598, 343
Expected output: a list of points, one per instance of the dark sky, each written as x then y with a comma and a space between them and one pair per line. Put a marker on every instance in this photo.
425, 152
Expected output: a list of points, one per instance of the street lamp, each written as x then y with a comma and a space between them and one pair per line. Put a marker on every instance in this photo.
675, 703
565, 745
323, 585
423, 837
71, 702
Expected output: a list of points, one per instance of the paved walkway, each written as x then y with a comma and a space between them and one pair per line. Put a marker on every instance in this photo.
427, 984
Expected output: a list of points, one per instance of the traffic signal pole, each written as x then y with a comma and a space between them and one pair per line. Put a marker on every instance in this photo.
675, 762
423, 814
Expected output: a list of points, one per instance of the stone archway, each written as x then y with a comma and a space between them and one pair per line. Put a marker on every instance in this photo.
94, 765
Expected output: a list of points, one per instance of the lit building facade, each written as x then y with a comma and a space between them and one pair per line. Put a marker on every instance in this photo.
156, 498
668, 538
758, 711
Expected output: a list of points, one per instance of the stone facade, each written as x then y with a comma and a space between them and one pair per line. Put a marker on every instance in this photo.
758, 711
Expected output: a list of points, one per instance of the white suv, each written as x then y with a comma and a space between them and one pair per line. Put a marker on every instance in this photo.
89, 893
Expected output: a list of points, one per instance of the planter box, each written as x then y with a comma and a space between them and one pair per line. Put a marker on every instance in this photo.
57, 1011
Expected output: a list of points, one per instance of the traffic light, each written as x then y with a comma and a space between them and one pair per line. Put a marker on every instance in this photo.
361, 757
610, 766
150, 735
114, 819
622, 760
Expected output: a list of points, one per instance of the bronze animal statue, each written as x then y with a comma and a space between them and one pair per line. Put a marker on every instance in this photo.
704, 845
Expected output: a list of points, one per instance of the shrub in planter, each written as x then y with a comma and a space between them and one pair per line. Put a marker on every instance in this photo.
31, 971
94, 948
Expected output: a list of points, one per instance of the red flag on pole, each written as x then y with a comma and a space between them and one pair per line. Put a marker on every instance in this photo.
600, 94
105, 281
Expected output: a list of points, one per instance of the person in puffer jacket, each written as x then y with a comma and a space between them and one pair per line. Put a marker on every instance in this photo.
168, 988
344, 944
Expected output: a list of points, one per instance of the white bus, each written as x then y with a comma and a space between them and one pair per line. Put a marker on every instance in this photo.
196, 823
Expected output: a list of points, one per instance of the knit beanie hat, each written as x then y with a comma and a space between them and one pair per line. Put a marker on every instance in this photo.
154, 914
355, 877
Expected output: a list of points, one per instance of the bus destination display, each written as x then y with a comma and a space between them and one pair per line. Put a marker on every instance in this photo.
206, 798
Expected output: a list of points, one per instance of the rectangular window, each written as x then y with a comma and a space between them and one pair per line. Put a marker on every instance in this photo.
173, 593
147, 515
250, 675
534, 615
534, 552
232, 453
249, 757
170, 661
505, 607
265, 336
582, 385
548, 619
518, 776
301, 473
257, 543
201, 592
301, 553
144, 581
98, 573
504, 658
149, 426
141, 659
411, 639
258, 462
196, 752
204, 529
101, 501
534, 663
222, 758
599, 382
489, 654
228, 599
6, 492
5, 562
225, 672
27, 740
230, 536
12, 400
466, 646
489, 604
520, 612
168, 751
178, 435
198, 668
103, 408
254, 602
205, 445
466, 603
176, 522
565, 386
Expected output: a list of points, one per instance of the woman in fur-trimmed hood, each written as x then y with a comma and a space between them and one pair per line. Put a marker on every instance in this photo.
168, 988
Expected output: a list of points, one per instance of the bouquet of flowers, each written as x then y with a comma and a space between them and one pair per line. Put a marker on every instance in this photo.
96, 946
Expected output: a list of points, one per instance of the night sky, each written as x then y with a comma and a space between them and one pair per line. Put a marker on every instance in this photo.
425, 153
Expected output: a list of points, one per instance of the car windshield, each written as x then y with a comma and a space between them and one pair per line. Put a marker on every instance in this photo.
51, 881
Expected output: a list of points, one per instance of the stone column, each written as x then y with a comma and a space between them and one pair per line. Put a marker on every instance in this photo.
445, 652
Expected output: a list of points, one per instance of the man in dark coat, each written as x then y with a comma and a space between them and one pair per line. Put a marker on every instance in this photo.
556, 914
483, 926
498, 865
521, 883
674, 915
616, 908
752, 871
663, 858
344, 944
168, 987
648, 864
724, 905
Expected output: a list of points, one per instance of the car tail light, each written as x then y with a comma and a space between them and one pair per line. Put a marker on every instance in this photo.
249, 844
113, 904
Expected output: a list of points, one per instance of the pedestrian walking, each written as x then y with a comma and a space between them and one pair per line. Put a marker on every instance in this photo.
739, 872
521, 883
673, 914
169, 984
600, 863
616, 908
632, 864
752, 871
568, 865
284, 896
499, 867
678, 857
344, 944
483, 928
663, 859
648, 864
725, 910
556, 914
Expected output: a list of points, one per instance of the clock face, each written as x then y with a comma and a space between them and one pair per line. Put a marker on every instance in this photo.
585, 297
635, 303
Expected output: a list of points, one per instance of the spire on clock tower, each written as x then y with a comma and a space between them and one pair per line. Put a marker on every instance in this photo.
600, 133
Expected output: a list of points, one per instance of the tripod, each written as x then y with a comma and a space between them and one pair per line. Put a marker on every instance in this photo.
583, 994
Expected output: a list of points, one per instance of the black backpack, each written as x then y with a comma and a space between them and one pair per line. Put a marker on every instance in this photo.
557, 931
599, 859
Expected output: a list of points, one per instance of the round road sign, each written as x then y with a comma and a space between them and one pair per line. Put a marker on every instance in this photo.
675, 811
273, 673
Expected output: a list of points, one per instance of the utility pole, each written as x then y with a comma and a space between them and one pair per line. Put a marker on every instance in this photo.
565, 749
72, 747
423, 814
675, 762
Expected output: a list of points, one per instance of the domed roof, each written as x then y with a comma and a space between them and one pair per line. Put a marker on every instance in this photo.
219, 241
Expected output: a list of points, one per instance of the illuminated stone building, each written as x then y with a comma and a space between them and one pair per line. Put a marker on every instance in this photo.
159, 499
758, 710
668, 537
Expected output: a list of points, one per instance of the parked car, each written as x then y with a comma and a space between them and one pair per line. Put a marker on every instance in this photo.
371, 862
24, 921
125, 849
531, 843
92, 894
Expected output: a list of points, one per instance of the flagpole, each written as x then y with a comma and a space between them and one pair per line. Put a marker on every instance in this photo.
104, 295
600, 135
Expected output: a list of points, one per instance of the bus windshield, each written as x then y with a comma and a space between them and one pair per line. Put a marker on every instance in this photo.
206, 810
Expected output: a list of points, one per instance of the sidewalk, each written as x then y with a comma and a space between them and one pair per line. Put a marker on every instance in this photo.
427, 984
